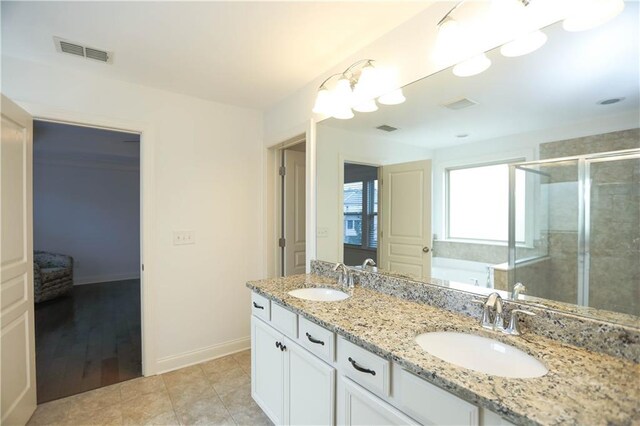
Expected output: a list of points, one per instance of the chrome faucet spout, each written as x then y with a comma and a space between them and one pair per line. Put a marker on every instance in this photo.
345, 279
368, 262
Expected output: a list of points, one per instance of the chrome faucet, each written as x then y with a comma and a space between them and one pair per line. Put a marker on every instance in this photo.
368, 262
517, 289
493, 305
345, 279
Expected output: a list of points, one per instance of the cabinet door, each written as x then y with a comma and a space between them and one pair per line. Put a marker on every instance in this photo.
267, 370
357, 406
309, 388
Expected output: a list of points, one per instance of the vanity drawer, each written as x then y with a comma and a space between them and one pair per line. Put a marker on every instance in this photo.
428, 403
364, 367
284, 320
260, 306
317, 339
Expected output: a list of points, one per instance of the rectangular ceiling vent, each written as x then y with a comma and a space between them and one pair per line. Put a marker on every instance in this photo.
77, 49
460, 104
386, 128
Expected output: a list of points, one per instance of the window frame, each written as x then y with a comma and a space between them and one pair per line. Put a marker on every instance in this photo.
528, 220
365, 214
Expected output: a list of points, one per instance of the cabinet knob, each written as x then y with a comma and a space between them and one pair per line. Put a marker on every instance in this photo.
426, 249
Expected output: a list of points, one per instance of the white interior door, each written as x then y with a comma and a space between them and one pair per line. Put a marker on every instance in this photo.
405, 215
17, 335
294, 213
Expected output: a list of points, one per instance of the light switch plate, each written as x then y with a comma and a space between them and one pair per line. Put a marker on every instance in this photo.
322, 232
183, 237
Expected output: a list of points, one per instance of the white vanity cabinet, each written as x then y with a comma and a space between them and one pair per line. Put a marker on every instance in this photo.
303, 375
290, 384
357, 406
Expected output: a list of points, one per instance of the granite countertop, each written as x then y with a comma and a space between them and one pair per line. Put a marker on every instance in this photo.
581, 387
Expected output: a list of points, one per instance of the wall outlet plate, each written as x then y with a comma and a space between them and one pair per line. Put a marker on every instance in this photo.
183, 238
322, 232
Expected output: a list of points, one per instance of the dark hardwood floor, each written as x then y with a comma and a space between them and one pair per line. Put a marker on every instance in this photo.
88, 339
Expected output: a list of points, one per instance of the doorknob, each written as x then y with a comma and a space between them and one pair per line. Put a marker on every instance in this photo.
426, 249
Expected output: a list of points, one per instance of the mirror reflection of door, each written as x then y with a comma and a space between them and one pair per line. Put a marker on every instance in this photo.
360, 214
405, 243
293, 240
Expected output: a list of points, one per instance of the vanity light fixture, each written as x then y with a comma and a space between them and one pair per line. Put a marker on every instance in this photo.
357, 89
588, 14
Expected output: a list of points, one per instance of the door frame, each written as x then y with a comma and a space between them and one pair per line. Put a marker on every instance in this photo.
278, 152
147, 290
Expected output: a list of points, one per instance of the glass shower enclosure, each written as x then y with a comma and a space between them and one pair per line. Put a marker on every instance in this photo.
581, 223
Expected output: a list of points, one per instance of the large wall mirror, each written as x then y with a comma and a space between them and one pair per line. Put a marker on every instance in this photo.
528, 172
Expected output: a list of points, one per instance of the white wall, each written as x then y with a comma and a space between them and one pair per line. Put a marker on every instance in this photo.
334, 148
92, 213
206, 175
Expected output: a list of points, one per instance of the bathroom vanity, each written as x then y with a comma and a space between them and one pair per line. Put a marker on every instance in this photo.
356, 361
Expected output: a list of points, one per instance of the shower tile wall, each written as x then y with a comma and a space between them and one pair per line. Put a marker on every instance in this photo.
615, 224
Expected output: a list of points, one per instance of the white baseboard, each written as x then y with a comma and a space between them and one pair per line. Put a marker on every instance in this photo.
94, 279
186, 359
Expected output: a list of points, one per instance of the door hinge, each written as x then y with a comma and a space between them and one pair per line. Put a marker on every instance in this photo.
282, 242
143, 267
282, 171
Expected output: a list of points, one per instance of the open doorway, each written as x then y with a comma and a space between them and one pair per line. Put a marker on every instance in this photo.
86, 222
360, 213
292, 241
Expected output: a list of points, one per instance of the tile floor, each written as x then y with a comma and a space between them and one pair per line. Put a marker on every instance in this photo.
216, 392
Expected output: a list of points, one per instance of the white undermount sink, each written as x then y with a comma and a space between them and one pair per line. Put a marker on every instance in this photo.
481, 354
319, 294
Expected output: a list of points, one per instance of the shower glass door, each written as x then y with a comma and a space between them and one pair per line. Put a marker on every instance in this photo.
612, 240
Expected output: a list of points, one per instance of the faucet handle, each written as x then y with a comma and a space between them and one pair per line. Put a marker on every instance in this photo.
485, 322
514, 325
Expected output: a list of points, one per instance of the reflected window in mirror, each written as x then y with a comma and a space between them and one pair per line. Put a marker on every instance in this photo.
478, 203
360, 208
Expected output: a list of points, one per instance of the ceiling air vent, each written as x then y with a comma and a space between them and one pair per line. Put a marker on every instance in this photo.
459, 104
73, 48
387, 128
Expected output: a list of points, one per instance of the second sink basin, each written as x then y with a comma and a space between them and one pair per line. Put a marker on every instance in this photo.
319, 294
481, 354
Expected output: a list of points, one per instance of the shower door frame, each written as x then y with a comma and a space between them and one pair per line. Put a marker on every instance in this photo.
584, 211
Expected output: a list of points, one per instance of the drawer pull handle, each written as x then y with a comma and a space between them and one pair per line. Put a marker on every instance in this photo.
362, 369
255, 305
312, 340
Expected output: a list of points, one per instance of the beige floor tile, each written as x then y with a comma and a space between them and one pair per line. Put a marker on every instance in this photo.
183, 376
219, 364
102, 417
50, 413
253, 416
228, 380
244, 359
205, 411
185, 394
145, 408
239, 399
92, 401
164, 419
141, 386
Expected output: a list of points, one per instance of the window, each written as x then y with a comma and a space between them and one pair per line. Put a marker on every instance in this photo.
478, 203
361, 213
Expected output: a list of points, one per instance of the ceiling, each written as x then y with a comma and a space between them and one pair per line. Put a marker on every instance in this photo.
557, 85
66, 142
250, 54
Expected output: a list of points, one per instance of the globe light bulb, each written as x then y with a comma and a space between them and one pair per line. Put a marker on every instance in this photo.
588, 14
394, 97
472, 66
524, 44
